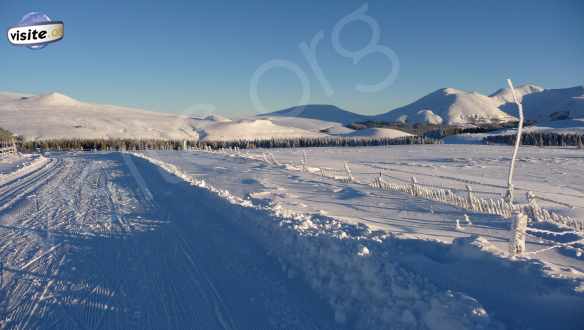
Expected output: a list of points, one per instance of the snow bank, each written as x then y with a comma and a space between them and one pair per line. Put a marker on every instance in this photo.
16, 167
350, 265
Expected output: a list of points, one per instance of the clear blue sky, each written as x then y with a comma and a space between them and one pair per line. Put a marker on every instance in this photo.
173, 55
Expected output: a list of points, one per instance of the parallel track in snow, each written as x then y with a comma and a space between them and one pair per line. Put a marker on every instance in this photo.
83, 248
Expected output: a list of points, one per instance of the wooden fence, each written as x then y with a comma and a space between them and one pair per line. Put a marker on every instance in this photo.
7, 148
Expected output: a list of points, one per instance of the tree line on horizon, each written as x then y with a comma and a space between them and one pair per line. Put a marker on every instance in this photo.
541, 139
5, 135
152, 144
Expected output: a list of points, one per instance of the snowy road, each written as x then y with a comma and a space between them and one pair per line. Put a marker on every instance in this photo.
90, 242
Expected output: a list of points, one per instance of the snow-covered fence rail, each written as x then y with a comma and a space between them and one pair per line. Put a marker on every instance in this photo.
469, 201
535, 212
7, 148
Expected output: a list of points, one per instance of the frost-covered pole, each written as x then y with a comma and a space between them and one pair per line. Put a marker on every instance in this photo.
509, 194
349, 173
518, 229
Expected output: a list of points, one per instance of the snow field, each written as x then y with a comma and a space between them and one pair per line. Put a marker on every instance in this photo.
347, 264
468, 200
376, 279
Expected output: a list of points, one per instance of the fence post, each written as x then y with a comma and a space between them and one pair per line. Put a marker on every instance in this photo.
304, 160
469, 196
414, 187
274, 160
518, 228
532, 206
349, 173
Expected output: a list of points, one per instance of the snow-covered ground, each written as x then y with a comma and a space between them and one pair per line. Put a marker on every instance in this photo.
16, 166
96, 241
221, 240
447, 255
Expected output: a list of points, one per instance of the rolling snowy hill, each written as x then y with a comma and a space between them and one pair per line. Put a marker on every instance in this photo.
56, 115
323, 112
313, 125
249, 129
378, 133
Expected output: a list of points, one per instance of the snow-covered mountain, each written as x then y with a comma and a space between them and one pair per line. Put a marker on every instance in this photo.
542, 104
455, 107
322, 112
504, 95
449, 106
56, 115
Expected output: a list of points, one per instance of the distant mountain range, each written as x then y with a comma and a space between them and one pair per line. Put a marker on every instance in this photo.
450, 106
57, 116
54, 115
